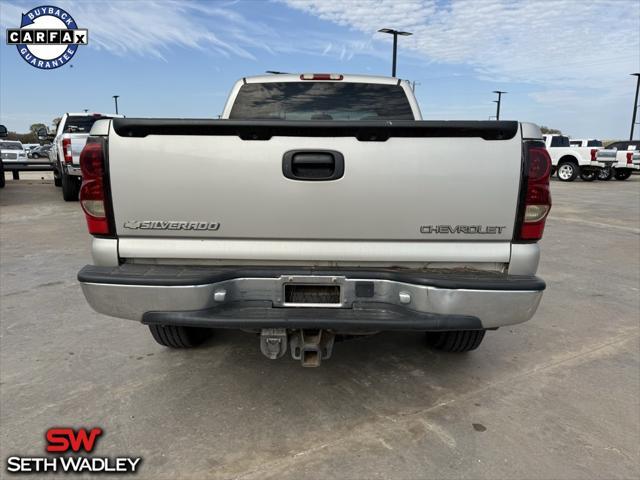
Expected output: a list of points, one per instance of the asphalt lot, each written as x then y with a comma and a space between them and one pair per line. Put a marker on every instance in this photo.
557, 397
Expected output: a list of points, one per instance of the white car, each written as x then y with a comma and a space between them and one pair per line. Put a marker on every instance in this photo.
13, 155
570, 161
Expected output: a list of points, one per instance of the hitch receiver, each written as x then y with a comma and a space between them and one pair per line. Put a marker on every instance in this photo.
311, 346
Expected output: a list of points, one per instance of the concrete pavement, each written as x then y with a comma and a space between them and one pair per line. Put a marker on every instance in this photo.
557, 397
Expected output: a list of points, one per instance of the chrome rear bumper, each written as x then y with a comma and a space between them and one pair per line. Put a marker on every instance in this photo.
211, 303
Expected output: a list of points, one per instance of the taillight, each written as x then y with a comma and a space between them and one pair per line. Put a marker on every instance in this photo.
92, 191
629, 158
537, 197
594, 154
66, 150
321, 76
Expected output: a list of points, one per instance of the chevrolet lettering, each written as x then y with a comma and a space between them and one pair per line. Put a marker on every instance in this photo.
465, 229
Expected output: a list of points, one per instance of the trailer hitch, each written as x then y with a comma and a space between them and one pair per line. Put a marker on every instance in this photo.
311, 346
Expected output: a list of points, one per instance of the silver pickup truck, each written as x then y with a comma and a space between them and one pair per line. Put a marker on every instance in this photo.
318, 206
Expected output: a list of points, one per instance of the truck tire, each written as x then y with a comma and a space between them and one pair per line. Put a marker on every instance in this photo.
458, 341
70, 188
553, 171
622, 174
605, 174
179, 337
1, 175
567, 171
57, 176
588, 175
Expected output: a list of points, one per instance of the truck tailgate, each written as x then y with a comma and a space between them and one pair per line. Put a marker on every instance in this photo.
425, 184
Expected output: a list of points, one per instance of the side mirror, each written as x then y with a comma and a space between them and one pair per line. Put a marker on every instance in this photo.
43, 134
3, 131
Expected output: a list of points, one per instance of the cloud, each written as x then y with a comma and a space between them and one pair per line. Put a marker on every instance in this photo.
554, 43
150, 28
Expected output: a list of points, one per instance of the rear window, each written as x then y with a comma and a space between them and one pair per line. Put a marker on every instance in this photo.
81, 124
594, 143
560, 141
320, 101
631, 145
10, 146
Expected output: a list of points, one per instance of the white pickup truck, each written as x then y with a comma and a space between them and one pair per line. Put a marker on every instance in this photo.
571, 160
620, 160
70, 136
319, 205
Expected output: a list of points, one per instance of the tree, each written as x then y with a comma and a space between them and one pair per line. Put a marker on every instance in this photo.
548, 130
55, 122
36, 126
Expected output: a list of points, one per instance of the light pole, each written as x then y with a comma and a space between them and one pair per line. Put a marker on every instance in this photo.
395, 34
115, 99
635, 105
499, 92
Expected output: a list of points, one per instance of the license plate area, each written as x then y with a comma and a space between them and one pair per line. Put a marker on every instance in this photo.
312, 292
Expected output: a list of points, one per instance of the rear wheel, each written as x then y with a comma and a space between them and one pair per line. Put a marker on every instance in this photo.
1, 175
458, 341
567, 171
57, 178
622, 174
179, 337
605, 173
588, 175
70, 187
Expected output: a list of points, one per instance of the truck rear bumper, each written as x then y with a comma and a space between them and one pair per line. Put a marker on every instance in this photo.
367, 300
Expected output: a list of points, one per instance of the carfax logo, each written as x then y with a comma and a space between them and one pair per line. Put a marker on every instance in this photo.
48, 37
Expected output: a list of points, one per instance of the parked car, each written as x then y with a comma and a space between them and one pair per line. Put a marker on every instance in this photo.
620, 160
41, 151
324, 205
3, 133
13, 155
16, 159
29, 146
570, 161
70, 137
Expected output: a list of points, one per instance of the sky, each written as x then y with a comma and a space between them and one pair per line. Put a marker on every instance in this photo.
565, 64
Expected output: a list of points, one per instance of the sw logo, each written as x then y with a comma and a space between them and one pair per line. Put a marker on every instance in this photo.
48, 37
64, 440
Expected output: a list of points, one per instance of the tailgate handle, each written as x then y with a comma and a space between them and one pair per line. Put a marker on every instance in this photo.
313, 165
